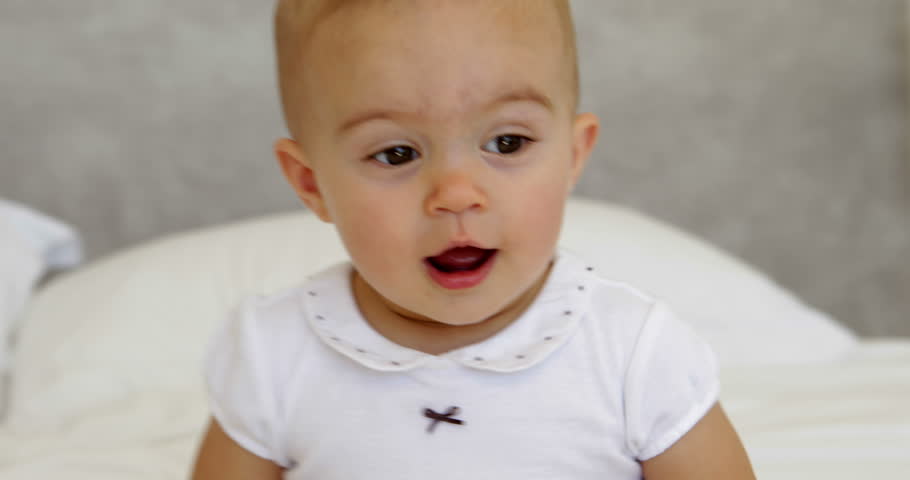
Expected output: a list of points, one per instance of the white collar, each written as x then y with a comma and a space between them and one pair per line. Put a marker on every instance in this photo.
547, 324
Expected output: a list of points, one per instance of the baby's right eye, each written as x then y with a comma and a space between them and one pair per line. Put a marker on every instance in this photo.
395, 156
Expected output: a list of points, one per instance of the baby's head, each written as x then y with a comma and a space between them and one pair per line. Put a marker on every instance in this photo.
440, 137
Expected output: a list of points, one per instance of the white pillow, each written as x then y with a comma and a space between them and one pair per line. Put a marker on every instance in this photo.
20, 268
743, 314
58, 244
31, 244
139, 321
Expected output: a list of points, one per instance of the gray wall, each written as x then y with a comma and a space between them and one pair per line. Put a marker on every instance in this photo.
774, 129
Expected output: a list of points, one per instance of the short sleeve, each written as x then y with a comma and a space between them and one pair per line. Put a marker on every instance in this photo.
671, 383
240, 384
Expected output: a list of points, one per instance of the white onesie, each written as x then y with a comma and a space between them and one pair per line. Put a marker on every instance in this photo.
594, 377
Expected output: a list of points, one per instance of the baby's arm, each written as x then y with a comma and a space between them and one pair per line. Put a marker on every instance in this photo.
220, 458
711, 450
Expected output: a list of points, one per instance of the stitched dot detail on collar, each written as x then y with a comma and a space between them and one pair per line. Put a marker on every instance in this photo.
526, 344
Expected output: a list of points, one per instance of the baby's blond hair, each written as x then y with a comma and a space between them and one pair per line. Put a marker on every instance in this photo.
295, 21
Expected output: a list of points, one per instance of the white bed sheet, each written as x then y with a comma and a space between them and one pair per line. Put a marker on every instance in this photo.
843, 420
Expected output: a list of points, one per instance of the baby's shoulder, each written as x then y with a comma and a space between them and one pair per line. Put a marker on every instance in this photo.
622, 315
279, 305
269, 326
639, 327
620, 293
617, 303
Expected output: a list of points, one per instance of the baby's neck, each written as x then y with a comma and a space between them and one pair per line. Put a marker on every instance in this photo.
432, 337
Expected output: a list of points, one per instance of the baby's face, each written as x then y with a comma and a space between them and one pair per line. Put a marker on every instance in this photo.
440, 138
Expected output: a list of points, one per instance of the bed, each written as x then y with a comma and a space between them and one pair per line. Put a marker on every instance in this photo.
107, 382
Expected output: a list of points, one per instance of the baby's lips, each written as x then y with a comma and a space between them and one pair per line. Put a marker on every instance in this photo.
460, 257
448, 271
459, 243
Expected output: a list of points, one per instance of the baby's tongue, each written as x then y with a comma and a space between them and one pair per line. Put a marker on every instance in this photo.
460, 258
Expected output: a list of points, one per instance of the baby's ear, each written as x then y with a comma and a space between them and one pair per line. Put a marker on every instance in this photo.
299, 173
584, 136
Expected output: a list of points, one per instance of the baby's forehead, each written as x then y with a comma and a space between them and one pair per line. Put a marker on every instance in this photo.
304, 16
307, 30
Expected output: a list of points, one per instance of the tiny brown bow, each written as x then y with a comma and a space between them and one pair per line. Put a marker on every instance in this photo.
441, 417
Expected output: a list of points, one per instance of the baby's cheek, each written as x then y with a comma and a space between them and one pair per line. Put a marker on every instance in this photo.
375, 233
366, 229
543, 208
533, 229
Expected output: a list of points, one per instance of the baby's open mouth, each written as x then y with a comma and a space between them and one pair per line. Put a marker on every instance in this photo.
461, 267
461, 259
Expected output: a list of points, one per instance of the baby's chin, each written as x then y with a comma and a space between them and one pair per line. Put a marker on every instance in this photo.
445, 315
459, 312
444, 320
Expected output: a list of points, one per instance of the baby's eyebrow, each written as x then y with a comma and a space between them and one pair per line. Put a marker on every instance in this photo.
369, 115
524, 94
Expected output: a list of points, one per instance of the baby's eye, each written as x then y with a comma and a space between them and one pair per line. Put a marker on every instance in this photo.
506, 144
395, 156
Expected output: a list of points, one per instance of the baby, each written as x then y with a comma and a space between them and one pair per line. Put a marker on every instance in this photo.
441, 138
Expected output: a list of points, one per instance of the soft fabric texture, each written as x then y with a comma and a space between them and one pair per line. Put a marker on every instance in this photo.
31, 244
152, 309
838, 420
592, 378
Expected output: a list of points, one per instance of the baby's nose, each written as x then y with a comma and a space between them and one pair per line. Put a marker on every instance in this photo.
455, 192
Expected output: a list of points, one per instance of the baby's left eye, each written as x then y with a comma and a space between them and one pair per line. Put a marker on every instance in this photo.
506, 144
